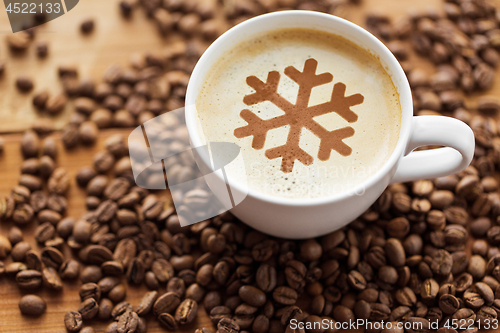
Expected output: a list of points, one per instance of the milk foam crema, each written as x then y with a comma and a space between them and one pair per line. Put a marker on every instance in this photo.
376, 130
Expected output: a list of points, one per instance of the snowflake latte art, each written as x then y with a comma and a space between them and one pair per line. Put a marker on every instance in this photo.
314, 114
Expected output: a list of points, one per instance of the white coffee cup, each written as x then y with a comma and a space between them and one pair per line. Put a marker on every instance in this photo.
312, 217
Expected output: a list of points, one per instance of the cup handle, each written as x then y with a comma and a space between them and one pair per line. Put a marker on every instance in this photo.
436, 130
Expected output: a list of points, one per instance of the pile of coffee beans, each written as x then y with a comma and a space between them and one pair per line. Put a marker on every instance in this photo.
464, 45
405, 259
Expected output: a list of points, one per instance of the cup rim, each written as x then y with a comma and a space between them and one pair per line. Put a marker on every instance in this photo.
398, 78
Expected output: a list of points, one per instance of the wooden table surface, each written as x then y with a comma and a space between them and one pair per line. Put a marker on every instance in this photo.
113, 41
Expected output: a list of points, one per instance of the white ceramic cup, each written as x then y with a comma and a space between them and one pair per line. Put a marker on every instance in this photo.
312, 217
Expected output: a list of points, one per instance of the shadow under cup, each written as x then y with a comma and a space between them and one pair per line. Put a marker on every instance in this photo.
309, 217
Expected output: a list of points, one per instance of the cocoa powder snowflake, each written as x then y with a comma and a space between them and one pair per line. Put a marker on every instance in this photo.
299, 115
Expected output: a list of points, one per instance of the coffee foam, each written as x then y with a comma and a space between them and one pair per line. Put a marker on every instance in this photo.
376, 130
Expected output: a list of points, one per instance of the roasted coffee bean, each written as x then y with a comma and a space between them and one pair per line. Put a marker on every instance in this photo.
265, 276
472, 299
186, 311
343, 314
51, 279
44, 232
152, 206
116, 189
485, 292
15, 267
252, 295
226, 325
135, 272
29, 279
406, 297
48, 215
56, 242
89, 308
204, 274
106, 211
142, 326
103, 162
388, 274
73, 321
128, 322
125, 251
449, 303
65, 227
442, 262
82, 231
398, 227
112, 268
33, 261
84, 176
177, 286
400, 313
32, 305
30, 166
90, 290
477, 266
219, 312
167, 302
47, 164
96, 254
464, 314
91, 274
49, 154
52, 257
112, 328
30, 144
486, 314
87, 132
69, 270
118, 293
162, 269
87, 329
356, 280
151, 281
146, 303
167, 321
310, 250
211, 300
429, 289
15, 235
20, 194
19, 250
33, 183
58, 182
23, 214
105, 308
6, 247
120, 309
106, 284
285, 295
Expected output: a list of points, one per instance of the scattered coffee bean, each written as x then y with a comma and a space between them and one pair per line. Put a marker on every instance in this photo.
32, 305
24, 84
5, 247
146, 303
73, 321
87, 26
186, 311
89, 308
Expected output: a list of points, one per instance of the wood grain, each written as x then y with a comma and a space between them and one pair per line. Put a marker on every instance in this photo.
113, 41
